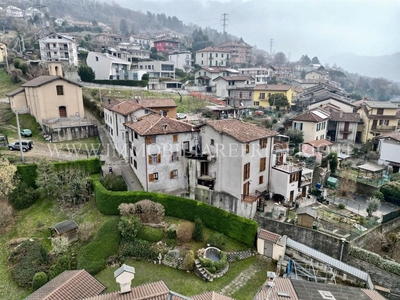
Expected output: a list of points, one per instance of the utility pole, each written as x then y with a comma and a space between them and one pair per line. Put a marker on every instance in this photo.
270, 47
19, 137
224, 20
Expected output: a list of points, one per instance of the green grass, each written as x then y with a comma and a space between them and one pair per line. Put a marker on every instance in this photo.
33, 222
189, 284
189, 104
151, 234
6, 85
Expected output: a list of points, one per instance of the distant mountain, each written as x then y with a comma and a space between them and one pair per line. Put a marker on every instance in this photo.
387, 66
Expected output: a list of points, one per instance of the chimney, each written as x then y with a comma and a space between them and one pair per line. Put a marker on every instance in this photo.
124, 276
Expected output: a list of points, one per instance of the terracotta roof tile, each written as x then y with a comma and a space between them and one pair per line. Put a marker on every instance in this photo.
154, 124
319, 143
212, 49
393, 136
69, 285
211, 296
157, 102
344, 116
268, 236
374, 295
41, 80
272, 87
149, 291
125, 108
283, 285
241, 131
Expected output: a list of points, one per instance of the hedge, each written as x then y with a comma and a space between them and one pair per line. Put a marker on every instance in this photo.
27, 173
391, 191
141, 83
376, 260
93, 256
236, 227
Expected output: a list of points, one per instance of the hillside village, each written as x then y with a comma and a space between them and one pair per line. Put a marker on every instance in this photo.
258, 177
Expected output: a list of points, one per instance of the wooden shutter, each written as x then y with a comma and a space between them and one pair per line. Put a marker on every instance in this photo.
150, 160
151, 177
171, 175
159, 158
247, 148
175, 138
148, 140
244, 172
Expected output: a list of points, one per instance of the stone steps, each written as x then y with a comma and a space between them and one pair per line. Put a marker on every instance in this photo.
201, 272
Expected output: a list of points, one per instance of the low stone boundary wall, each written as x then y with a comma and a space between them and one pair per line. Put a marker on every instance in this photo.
240, 255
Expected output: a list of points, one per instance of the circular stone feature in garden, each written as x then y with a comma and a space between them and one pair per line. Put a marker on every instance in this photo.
212, 253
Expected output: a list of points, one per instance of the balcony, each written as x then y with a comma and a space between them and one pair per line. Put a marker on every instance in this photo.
383, 128
280, 146
250, 198
195, 155
289, 168
206, 175
348, 131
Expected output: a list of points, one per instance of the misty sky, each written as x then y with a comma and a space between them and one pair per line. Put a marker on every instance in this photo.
315, 27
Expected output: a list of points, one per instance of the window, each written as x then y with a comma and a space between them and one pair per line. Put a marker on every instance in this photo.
173, 174
216, 54
247, 148
322, 137
136, 135
263, 164
150, 140
263, 143
240, 95
323, 125
175, 138
246, 171
146, 111
134, 151
97, 58
60, 90
294, 177
261, 180
298, 126
212, 142
135, 164
155, 175
379, 111
154, 159
384, 122
222, 55
250, 94
174, 156
256, 103
262, 96
318, 126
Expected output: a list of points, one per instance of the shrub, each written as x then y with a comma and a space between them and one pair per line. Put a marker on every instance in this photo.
86, 231
236, 227
92, 257
198, 230
138, 249
39, 279
185, 232
151, 234
64, 263
395, 177
391, 189
59, 244
148, 211
23, 196
113, 182
373, 205
214, 266
188, 260
341, 206
129, 227
217, 240
28, 259
379, 195
171, 231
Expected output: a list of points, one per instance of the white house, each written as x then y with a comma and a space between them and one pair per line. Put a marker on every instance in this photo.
213, 57
260, 74
158, 69
106, 66
205, 75
389, 149
316, 75
141, 40
313, 123
135, 50
57, 47
122, 54
224, 84
230, 167
182, 60
14, 12
155, 153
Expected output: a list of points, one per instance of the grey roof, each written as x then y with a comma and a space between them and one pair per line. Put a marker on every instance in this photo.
364, 276
64, 226
381, 104
307, 210
15, 92
41, 80
122, 269
311, 290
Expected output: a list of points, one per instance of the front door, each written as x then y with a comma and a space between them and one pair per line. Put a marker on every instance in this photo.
203, 168
304, 191
62, 110
291, 196
246, 189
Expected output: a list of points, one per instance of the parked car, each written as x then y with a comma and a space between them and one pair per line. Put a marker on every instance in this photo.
180, 116
26, 145
26, 132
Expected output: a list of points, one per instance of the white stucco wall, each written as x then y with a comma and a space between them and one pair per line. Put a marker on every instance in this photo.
389, 151
351, 137
343, 106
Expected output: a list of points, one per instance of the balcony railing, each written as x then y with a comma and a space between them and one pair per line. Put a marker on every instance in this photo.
290, 168
349, 131
280, 146
206, 175
383, 128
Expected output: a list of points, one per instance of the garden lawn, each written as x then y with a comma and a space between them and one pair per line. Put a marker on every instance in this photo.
6, 85
33, 222
189, 284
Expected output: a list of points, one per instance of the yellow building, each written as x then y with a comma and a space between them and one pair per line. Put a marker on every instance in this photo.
263, 91
378, 118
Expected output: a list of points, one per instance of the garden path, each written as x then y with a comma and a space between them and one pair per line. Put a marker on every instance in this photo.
241, 279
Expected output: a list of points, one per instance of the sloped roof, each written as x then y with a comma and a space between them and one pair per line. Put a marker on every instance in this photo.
211, 296
42, 80
390, 136
315, 115
381, 104
319, 143
122, 269
64, 226
236, 44
154, 124
234, 78
124, 108
15, 92
272, 87
157, 102
344, 116
283, 286
241, 131
307, 210
213, 49
217, 69
268, 236
69, 285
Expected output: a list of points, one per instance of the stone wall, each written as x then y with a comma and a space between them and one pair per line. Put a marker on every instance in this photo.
379, 277
330, 245
240, 255
71, 133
